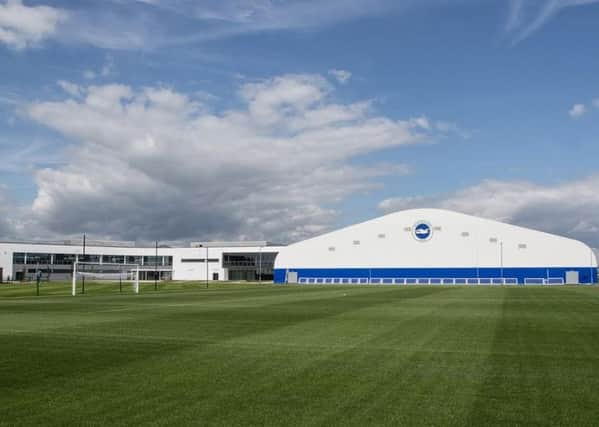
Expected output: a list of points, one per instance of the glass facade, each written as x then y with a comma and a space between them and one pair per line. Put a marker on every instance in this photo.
239, 260
152, 260
89, 258
18, 258
22, 258
39, 258
240, 265
250, 266
134, 259
113, 259
64, 259
59, 266
266, 259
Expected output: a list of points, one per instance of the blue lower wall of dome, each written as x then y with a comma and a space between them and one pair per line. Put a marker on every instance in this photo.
587, 275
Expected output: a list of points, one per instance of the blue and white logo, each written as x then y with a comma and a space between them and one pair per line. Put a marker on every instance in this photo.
423, 231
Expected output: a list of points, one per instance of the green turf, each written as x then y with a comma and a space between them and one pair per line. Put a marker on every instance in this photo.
280, 355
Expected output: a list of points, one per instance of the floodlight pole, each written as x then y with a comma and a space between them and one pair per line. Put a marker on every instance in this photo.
260, 265
83, 277
206, 266
501, 257
156, 268
37, 278
591, 279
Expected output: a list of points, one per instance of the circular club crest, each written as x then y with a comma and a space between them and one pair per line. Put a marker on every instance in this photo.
422, 231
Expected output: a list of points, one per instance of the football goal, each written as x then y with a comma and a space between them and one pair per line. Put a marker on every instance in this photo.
109, 273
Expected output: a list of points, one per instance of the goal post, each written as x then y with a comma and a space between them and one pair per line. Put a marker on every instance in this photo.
105, 272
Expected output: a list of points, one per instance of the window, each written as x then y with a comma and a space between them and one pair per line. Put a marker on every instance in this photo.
437, 228
465, 234
382, 236
332, 249
522, 246
168, 260
64, 259
39, 258
89, 258
356, 242
134, 259
113, 259
251, 260
152, 260
407, 229
199, 260
493, 240
18, 258
241, 260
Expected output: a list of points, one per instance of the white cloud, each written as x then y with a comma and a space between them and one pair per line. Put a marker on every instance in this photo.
342, 76
22, 26
577, 110
266, 14
446, 128
154, 163
108, 67
9, 96
110, 24
566, 209
107, 70
439, 128
20, 157
89, 74
230, 18
422, 122
7, 207
528, 16
107, 26
70, 88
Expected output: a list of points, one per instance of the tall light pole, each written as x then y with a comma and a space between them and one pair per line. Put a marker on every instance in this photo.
501, 258
84, 260
477, 261
156, 268
37, 277
591, 266
206, 266
260, 265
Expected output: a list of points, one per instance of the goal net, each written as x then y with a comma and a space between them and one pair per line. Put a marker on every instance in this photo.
96, 272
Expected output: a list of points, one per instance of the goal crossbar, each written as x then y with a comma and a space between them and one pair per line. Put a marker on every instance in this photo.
132, 269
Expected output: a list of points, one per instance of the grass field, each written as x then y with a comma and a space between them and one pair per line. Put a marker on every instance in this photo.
291, 355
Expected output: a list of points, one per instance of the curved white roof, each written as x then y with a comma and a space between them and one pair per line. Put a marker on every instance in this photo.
455, 240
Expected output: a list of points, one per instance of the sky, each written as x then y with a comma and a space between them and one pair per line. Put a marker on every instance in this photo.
179, 120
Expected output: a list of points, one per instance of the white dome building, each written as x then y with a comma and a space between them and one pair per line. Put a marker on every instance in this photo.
433, 246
